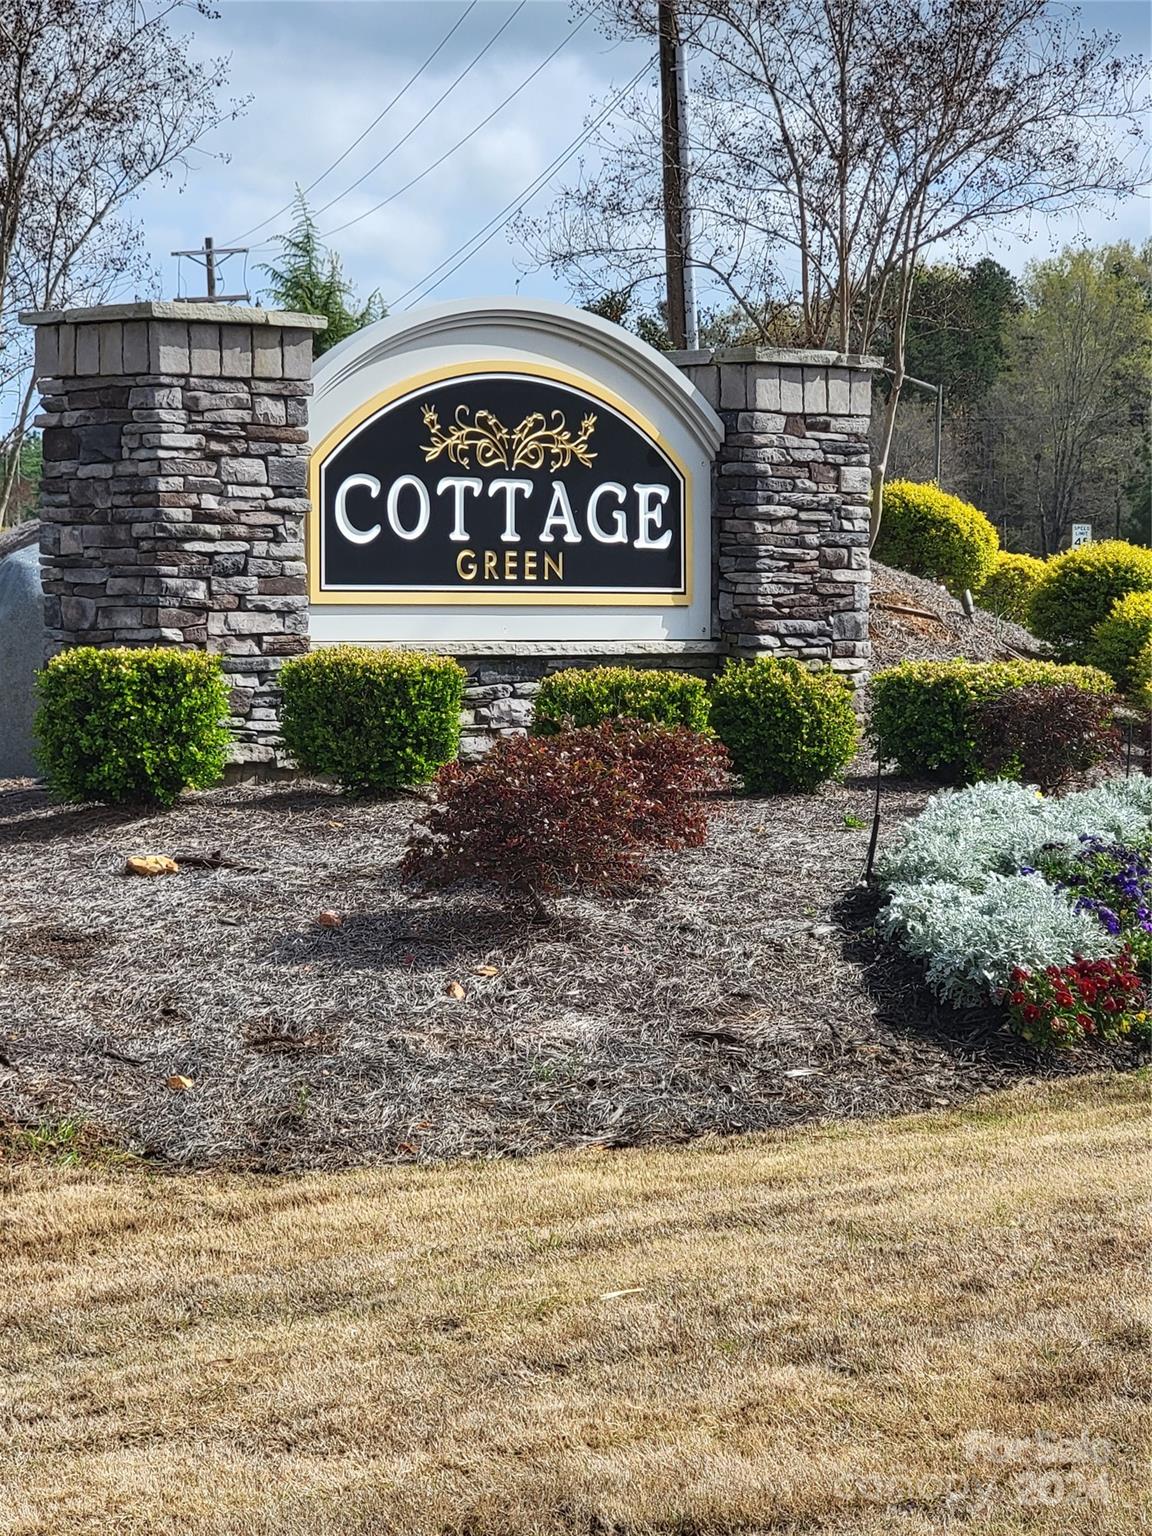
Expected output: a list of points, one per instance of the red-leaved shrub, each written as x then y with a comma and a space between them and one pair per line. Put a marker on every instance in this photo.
575, 812
1045, 734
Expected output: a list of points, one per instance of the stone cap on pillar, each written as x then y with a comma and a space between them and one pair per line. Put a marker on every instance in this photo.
794, 380
176, 309
157, 338
784, 357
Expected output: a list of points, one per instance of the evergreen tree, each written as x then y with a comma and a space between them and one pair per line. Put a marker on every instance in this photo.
310, 278
958, 327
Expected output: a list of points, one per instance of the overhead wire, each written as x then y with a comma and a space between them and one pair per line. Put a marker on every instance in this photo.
379, 118
497, 222
467, 70
448, 153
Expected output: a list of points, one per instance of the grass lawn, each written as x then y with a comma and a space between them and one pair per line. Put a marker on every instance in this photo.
909, 1325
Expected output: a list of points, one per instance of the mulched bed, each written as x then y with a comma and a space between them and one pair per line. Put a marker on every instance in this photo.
746, 991
913, 619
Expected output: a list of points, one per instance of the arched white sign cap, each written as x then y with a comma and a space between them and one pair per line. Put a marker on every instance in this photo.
549, 340
534, 329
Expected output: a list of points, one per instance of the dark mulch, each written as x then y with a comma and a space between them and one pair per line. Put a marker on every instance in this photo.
746, 991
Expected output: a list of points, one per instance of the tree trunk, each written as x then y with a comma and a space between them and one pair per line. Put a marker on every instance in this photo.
880, 467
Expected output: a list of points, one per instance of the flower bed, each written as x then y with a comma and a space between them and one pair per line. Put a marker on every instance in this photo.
1045, 905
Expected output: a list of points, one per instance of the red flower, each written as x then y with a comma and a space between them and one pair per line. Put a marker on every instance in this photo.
1019, 999
1031, 1013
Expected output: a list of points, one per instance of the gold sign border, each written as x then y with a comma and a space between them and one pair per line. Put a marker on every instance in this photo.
489, 597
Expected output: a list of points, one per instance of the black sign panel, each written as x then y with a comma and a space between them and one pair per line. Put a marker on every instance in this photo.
495, 484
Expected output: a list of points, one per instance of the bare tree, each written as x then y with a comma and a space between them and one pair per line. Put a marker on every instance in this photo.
835, 142
96, 98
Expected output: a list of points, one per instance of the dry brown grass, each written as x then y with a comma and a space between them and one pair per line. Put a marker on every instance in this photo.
807, 1327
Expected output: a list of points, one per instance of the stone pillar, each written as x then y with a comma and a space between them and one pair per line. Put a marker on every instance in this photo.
175, 487
790, 502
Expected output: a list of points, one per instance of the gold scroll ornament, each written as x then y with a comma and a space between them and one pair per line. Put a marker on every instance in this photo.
495, 447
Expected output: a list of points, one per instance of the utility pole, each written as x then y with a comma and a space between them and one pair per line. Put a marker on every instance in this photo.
208, 255
691, 328
672, 138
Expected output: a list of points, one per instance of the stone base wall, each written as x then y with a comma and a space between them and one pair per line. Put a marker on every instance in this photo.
174, 495
174, 491
791, 502
502, 685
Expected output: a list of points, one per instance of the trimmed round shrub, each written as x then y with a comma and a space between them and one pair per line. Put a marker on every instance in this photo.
924, 712
374, 720
583, 696
1046, 734
1008, 590
787, 729
1078, 589
128, 726
1120, 645
926, 532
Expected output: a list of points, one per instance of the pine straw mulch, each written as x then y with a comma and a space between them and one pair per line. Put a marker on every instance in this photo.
743, 992
912, 619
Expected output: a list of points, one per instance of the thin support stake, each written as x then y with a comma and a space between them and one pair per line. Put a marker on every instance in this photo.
872, 841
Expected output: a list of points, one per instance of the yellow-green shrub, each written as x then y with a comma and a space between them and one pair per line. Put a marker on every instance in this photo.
374, 720
581, 696
130, 725
924, 713
1120, 645
1008, 590
1078, 589
1141, 675
926, 532
787, 729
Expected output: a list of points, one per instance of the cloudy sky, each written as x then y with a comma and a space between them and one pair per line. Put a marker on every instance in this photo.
320, 71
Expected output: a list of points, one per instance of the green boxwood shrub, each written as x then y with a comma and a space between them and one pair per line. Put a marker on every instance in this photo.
924, 713
127, 726
374, 720
787, 729
1008, 590
1078, 589
584, 696
926, 532
1120, 645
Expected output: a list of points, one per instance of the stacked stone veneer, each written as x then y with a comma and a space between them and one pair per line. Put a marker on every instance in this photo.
174, 496
790, 506
501, 689
174, 492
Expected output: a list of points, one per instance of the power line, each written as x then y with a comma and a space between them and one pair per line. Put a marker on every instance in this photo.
379, 118
408, 185
468, 68
496, 223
